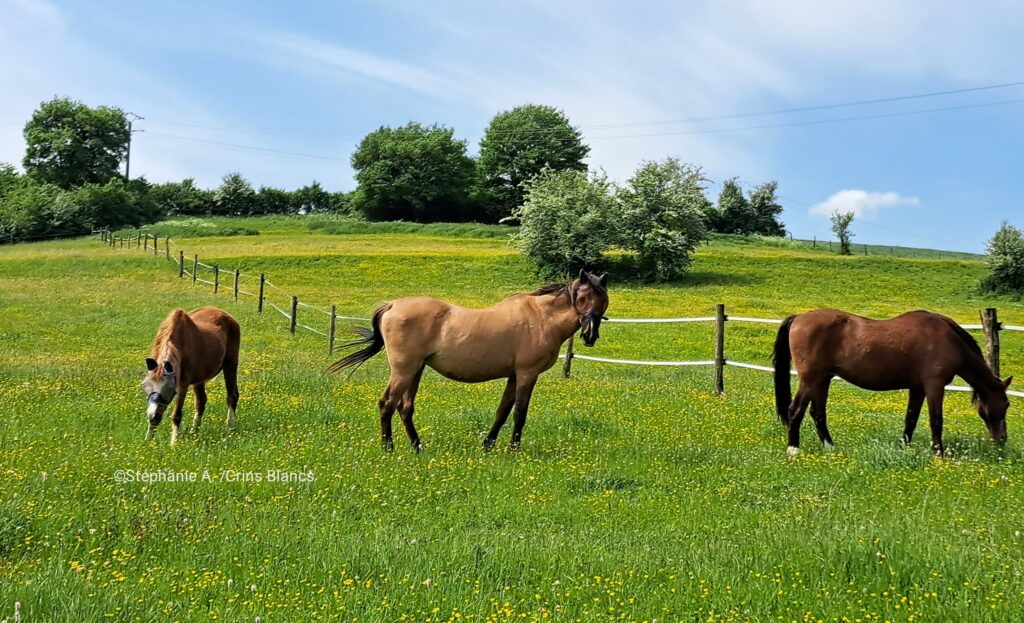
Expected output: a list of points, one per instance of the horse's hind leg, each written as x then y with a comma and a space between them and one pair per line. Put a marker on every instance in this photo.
508, 400
796, 417
200, 389
935, 396
387, 410
406, 406
913, 412
818, 400
231, 384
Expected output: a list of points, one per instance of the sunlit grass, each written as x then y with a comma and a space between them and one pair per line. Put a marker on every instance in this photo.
638, 493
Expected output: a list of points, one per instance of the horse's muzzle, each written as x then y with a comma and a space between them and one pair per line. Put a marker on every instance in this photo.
155, 413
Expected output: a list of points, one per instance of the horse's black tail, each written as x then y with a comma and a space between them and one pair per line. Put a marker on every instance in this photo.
372, 342
781, 360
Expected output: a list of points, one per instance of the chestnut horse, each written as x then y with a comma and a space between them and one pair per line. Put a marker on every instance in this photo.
189, 350
516, 340
919, 350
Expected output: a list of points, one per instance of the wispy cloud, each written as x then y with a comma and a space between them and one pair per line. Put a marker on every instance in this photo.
862, 203
304, 54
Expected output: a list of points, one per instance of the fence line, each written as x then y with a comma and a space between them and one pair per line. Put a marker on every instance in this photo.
142, 240
990, 325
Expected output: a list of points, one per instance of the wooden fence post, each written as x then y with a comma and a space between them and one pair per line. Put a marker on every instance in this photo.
330, 332
181, 264
156, 245
720, 348
259, 300
167, 247
991, 326
216, 278
195, 268
567, 364
145, 242
236, 284
138, 240
122, 243
295, 309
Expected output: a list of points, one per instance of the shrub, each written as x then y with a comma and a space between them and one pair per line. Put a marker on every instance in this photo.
1005, 261
566, 221
662, 217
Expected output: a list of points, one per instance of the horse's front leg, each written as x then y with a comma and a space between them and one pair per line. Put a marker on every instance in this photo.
179, 405
935, 396
524, 390
508, 399
200, 389
913, 413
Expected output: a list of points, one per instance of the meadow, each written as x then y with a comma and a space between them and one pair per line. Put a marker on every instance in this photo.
638, 494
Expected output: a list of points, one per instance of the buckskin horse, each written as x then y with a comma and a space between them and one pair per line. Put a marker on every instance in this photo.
189, 350
516, 340
919, 350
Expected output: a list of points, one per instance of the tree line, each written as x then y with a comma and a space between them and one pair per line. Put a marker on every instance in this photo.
74, 153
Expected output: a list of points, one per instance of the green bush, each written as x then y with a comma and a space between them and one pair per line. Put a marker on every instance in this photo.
663, 217
566, 222
1005, 261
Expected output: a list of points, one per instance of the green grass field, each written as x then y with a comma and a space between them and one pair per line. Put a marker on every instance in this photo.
638, 494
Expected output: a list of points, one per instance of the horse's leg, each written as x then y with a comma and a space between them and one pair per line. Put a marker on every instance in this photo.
176, 418
200, 389
796, 417
818, 399
508, 399
935, 396
406, 408
387, 410
524, 389
913, 412
231, 385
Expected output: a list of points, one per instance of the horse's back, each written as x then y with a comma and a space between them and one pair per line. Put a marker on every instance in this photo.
893, 353
218, 326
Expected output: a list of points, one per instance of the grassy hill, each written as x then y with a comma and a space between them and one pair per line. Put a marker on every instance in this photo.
638, 493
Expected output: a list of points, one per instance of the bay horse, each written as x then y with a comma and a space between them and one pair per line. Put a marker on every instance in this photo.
516, 340
189, 350
919, 350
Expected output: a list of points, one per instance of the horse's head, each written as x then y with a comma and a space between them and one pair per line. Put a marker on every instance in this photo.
590, 299
992, 409
159, 386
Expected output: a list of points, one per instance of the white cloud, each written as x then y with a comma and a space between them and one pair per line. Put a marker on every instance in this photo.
862, 203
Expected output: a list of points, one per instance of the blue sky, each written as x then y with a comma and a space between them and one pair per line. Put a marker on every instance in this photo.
257, 87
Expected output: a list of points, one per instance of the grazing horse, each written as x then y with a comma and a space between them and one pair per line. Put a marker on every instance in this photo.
190, 349
918, 350
516, 340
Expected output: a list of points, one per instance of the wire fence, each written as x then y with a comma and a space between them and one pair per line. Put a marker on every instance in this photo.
144, 241
989, 325
231, 281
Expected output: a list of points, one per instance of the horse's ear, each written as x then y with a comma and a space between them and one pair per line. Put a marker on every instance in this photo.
150, 364
168, 368
1006, 383
603, 280
583, 276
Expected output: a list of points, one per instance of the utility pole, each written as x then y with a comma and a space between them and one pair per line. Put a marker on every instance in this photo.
132, 117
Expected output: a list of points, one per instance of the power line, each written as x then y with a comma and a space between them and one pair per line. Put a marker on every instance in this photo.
353, 134
236, 146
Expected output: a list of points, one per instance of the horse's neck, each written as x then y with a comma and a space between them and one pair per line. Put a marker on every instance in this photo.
978, 375
563, 315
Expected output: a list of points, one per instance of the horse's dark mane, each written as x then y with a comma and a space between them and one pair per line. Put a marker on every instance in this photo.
973, 346
552, 288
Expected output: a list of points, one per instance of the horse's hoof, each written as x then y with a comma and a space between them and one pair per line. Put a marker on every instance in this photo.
417, 447
514, 446
488, 445
792, 451
387, 446
828, 447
